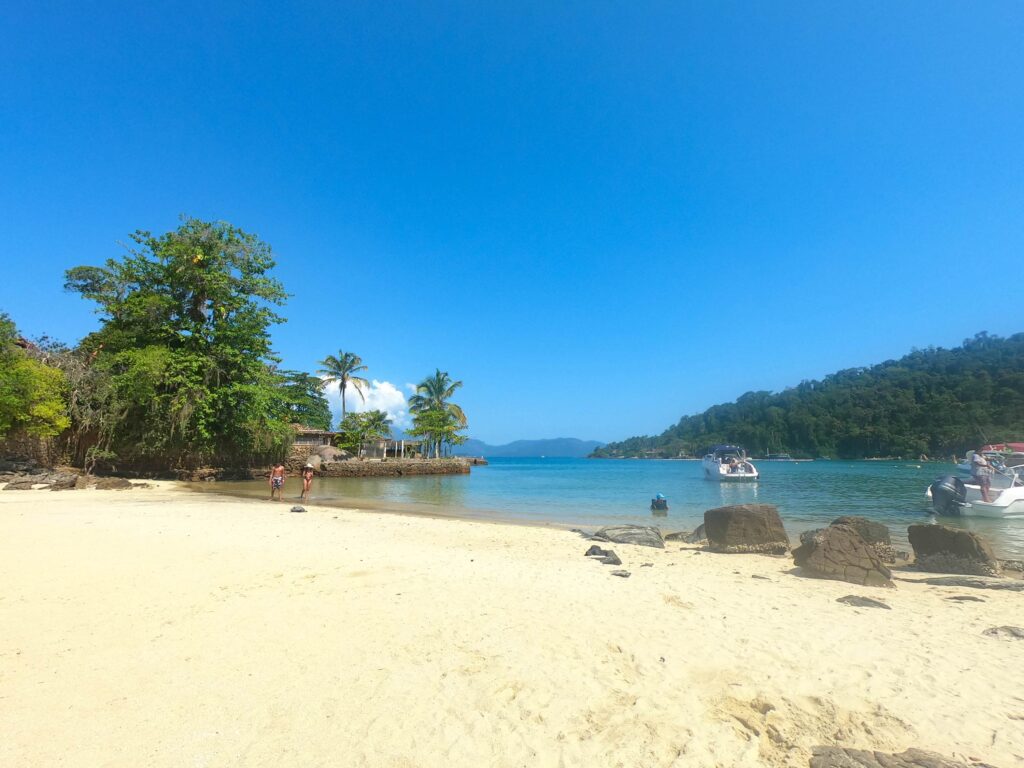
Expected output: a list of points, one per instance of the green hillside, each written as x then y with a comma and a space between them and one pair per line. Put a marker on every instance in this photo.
933, 401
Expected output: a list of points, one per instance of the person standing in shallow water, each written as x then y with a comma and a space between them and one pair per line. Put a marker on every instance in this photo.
981, 471
277, 482
307, 481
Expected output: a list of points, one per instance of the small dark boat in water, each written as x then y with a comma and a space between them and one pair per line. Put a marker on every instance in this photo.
659, 503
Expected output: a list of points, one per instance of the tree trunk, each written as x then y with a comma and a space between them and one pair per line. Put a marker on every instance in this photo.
342, 400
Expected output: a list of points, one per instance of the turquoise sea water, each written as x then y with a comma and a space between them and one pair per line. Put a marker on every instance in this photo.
588, 493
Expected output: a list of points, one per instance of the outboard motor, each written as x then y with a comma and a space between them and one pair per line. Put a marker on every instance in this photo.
948, 494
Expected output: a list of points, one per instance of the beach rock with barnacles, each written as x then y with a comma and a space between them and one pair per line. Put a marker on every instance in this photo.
875, 534
942, 549
838, 552
643, 535
746, 528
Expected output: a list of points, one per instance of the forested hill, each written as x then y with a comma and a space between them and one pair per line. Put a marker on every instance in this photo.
933, 401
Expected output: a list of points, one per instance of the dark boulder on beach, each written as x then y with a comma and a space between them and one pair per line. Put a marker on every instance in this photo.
746, 528
643, 535
845, 757
875, 534
869, 530
596, 551
611, 558
942, 549
838, 552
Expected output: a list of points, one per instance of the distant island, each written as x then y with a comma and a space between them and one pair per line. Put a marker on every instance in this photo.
933, 402
556, 447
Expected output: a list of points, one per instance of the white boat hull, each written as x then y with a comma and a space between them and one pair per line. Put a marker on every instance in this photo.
715, 470
1006, 504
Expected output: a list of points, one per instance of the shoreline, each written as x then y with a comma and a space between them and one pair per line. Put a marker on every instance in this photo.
165, 627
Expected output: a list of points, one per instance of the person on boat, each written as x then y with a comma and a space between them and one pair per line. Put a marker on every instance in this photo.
734, 466
981, 472
307, 481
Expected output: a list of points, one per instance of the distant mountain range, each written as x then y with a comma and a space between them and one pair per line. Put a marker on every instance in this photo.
559, 447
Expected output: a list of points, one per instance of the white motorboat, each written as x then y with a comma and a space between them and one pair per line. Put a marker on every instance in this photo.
951, 496
728, 464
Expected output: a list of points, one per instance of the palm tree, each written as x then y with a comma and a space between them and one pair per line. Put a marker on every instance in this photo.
433, 394
340, 369
376, 424
436, 417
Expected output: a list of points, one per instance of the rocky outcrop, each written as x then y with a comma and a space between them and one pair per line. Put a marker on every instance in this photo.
942, 549
875, 534
746, 528
843, 757
642, 535
838, 552
55, 480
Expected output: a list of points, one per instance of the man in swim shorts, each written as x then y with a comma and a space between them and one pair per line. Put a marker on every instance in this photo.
277, 482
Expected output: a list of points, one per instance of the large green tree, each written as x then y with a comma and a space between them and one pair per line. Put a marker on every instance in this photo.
184, 338
341, 368
31, 392
305, 401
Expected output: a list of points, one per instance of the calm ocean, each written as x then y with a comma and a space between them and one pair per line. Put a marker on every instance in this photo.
587, 493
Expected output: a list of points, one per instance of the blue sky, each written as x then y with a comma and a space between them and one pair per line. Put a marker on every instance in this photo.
599, 216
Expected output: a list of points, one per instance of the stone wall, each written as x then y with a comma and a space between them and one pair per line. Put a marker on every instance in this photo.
369, 468
394, 468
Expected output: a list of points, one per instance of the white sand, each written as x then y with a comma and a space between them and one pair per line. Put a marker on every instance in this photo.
163, 628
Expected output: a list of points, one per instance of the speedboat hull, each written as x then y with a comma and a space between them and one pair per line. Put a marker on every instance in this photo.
1007, 503
716, 470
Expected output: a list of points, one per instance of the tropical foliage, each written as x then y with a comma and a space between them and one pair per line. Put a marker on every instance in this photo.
304, 400
934, 401
181, 372
340, 369
184, 347
436, 419
356, 428
31, 392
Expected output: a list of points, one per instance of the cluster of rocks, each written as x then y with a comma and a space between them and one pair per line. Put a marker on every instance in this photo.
28, 476
851, 549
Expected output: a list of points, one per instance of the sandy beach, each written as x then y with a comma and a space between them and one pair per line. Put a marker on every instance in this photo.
158, 627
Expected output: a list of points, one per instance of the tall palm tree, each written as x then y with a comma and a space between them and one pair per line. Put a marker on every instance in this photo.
433, 394
376, 424
340, 369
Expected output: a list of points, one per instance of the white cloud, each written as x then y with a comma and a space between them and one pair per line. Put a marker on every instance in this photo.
380, 396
